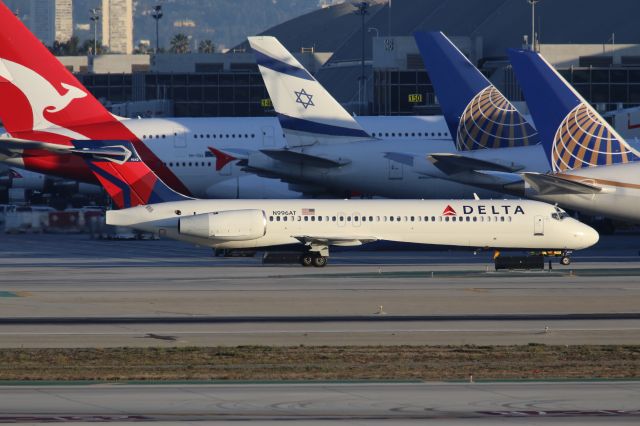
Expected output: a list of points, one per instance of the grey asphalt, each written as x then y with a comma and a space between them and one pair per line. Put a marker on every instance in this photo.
329, 403
73, 277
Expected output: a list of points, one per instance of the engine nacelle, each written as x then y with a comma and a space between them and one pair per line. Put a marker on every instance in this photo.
232, 225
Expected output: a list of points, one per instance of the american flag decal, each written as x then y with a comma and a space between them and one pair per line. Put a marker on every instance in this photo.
308, 212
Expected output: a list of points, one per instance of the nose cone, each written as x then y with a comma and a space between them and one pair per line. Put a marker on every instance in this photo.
586, 236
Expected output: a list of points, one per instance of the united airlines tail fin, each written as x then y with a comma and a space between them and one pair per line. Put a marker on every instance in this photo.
125, 177
476, 112
574, 135
307, 113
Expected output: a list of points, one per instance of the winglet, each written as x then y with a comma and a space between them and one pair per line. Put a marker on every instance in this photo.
125, 177
476, 112
222, 158
307, 113
573, 134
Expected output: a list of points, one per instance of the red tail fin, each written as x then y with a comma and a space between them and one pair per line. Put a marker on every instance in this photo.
41, 100
37, 91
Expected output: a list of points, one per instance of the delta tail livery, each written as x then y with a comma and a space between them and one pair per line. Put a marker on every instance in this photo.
150, 205
594, 169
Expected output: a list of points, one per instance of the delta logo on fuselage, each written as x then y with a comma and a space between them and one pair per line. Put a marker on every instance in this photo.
495, 210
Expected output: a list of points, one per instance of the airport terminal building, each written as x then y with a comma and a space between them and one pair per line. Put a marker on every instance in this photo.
597, 50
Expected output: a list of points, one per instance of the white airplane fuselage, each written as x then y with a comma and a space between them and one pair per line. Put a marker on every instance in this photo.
517, 224
618, 199
182, 144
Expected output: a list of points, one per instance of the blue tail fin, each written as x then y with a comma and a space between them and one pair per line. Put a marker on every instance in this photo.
476, 112
125, 177
573, 133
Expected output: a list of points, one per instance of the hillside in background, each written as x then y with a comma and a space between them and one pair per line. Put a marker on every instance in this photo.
225, 22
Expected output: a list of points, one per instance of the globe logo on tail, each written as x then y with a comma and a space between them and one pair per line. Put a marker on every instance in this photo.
584, 139
491, 121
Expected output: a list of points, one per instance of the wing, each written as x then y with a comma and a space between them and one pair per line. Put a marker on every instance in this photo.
343, 240
554, 185
454, 163
290, 156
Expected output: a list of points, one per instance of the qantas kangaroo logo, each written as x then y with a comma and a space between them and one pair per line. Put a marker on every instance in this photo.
42, 95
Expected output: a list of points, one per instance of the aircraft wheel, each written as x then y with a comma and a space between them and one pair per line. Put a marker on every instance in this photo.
306, 260
565, 260
319, 261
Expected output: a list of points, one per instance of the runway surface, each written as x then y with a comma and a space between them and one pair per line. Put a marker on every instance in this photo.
328, 403
451, 297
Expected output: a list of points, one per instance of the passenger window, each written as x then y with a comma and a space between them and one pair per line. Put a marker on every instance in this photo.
284, 218
333, 218
341, 218
433, 218
391, 218
355, 218
278, 218
299, 218
270, 218
306, 218
501, 218
313, 218
370, 218
348, 218
364, 219
475, 219
446, 219
319, 218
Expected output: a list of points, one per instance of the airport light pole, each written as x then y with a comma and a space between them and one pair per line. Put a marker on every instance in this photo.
157, 14
533, 23
95, 17
362, 9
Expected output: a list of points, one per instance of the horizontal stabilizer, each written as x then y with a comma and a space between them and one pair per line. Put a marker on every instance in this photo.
9, 146
227, 156
453, 163
343, 240
302, 158
554, 185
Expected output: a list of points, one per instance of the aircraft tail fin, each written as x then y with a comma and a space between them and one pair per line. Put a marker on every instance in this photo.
476, 112
37, 91
125, 177
574, 135
307, 113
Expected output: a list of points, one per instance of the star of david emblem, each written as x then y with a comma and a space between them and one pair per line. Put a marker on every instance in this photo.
304, 98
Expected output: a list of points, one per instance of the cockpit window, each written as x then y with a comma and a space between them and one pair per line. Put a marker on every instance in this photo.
559, 214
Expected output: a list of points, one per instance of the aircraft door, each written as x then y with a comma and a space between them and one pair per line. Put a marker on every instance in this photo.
180, 143
538, 225
395, 170
268, 138
341, 219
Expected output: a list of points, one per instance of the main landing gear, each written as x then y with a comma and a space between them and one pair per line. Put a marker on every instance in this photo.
313, 259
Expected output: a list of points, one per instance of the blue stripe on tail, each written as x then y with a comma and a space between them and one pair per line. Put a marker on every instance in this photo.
281, 67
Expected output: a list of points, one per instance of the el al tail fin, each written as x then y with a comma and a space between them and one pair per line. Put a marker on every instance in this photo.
574, 135
307, 113
125, 177
476, 112
37, 91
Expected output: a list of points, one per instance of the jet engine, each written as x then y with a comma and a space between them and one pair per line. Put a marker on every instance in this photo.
232, 225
